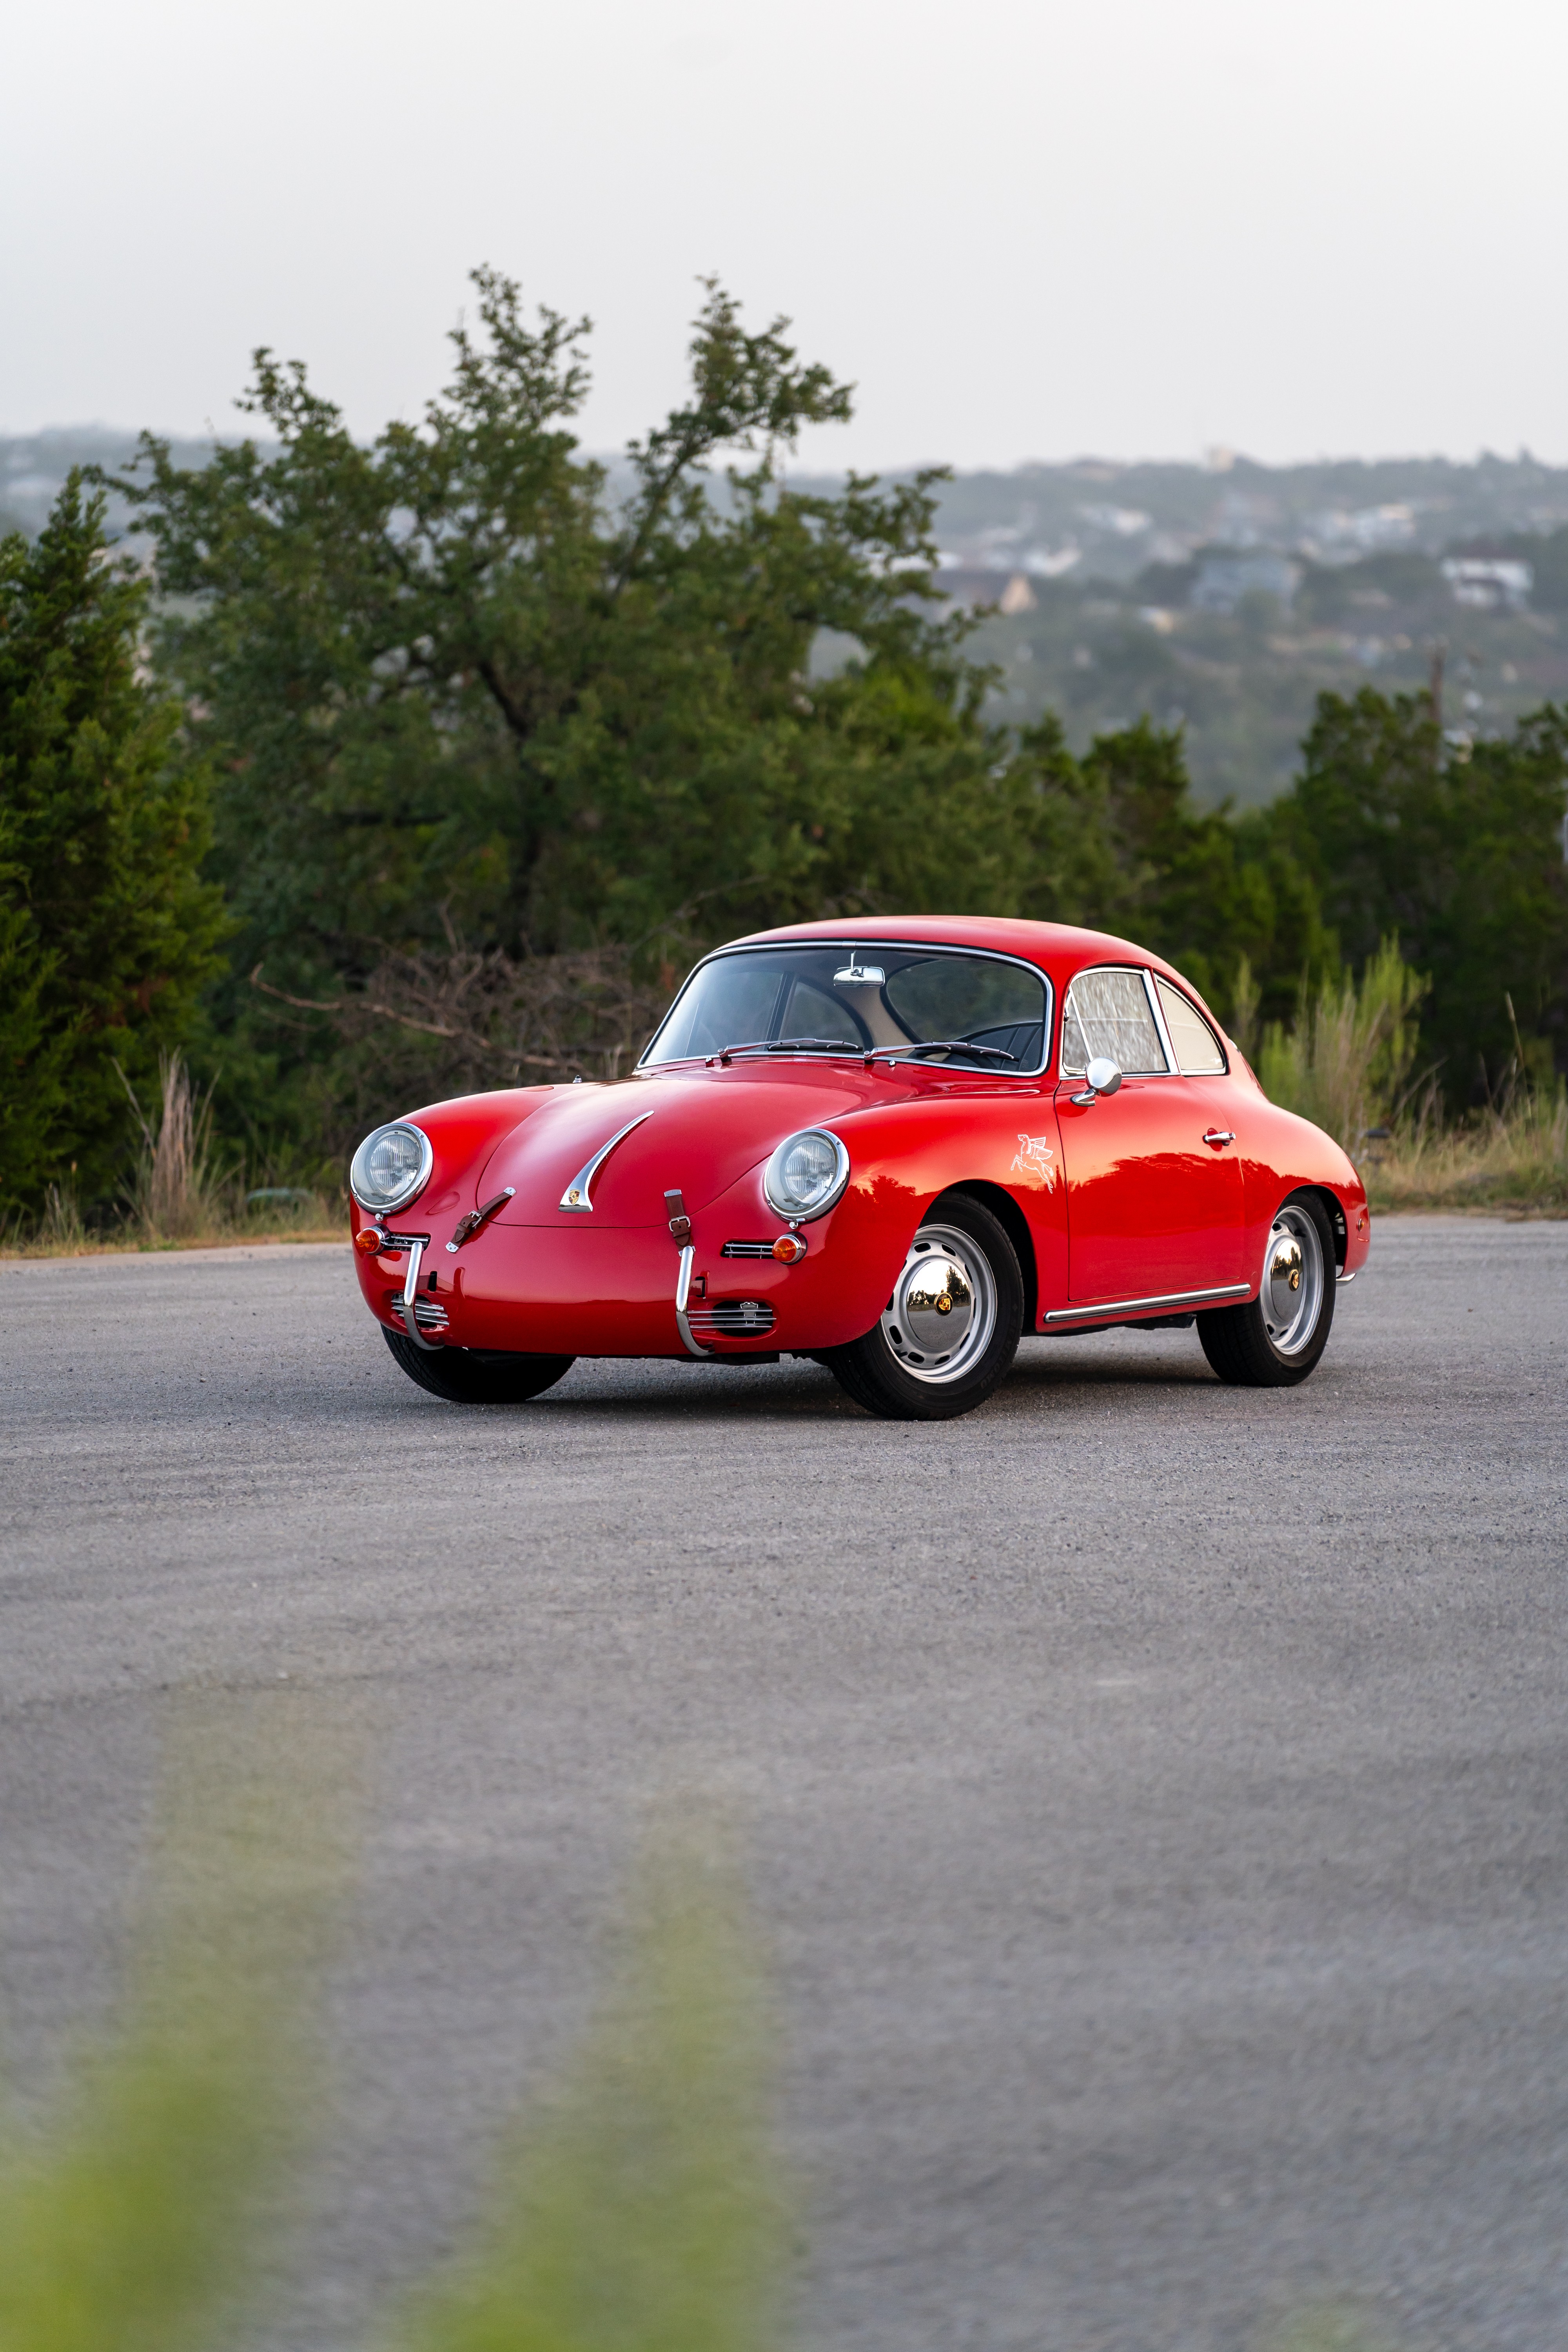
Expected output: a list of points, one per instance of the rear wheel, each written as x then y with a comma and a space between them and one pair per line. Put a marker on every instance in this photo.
1275, 1341
950, 1330
477, 1375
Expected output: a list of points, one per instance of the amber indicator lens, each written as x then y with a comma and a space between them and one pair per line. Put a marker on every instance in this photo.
367, 1239
789, 1249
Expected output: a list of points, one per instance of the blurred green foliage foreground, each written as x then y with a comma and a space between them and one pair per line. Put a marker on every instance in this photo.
638, 2210
639, 2207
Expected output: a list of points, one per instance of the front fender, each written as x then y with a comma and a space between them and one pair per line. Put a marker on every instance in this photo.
903, 1157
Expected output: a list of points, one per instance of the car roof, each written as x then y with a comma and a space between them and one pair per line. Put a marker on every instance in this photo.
1060, 948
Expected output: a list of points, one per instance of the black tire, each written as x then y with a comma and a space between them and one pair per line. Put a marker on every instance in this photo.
888, 1373
475, 1375
1255, 1346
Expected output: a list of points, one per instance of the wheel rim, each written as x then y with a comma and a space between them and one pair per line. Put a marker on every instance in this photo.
940, 1317
1291, 1295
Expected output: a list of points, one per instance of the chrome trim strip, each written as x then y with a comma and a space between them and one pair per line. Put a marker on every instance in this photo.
410, 1292
682, 1292
1097, 1313
930, 947
1162, 1028
576, 1198
1342, 1275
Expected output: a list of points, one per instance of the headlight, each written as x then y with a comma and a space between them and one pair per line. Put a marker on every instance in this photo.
390, 1167
806, 1174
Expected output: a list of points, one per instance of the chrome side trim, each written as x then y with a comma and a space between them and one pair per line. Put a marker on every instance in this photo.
577, 1197
682, 1292
410, 1294
1097, 1313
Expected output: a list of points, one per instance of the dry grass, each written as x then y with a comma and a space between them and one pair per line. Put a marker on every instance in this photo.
1346, 1062
183, 1194
1514, 1157
1346, 1066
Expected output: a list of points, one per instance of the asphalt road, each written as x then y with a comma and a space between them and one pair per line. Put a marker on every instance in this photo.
1154, 1793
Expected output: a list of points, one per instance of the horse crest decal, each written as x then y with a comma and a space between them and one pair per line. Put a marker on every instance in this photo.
1035, 1156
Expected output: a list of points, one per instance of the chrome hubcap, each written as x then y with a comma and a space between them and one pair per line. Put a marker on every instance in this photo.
1292, 1294
942, 1312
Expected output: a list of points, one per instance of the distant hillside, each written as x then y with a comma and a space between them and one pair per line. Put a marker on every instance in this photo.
1222, 597
1225, 598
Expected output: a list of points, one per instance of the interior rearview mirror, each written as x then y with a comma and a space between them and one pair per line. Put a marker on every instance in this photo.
860, 975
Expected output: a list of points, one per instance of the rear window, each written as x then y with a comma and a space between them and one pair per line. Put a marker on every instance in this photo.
1198, 1050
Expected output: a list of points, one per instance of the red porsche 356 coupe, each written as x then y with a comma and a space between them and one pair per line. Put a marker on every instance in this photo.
894, 1146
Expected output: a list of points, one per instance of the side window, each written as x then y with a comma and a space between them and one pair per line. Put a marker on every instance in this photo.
1108, 1012
1198, 1050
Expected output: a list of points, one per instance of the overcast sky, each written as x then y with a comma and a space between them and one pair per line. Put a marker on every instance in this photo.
1130, 227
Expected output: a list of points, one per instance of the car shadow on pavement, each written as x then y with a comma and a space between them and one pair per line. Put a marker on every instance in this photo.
622, 1390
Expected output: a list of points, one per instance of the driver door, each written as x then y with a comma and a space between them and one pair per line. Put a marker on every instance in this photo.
1152, 1206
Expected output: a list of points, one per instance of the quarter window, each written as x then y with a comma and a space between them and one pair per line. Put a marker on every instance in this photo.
1108, 1014
1198, 1050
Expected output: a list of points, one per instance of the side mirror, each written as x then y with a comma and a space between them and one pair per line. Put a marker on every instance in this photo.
1103, 1077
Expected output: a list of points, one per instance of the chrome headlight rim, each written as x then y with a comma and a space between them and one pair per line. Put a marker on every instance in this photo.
387, 1203
772, 1189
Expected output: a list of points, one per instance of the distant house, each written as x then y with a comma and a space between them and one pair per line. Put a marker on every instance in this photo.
1224, 579
1367, 532
1491, 583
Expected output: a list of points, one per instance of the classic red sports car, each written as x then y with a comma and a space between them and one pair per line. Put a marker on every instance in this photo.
893, 1146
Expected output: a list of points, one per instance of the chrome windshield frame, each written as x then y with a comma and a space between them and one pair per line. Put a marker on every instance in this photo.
846, 1052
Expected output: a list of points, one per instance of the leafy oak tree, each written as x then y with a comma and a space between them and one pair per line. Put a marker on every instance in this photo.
452, 677
107, 931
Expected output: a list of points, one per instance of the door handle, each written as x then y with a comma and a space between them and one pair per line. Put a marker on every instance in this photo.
1219, 1137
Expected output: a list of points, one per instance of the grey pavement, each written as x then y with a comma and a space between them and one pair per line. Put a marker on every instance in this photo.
1153, 1794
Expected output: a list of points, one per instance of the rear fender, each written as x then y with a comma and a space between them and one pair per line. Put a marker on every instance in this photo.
1285, 1154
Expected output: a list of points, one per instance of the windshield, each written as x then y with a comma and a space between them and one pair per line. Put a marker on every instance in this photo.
989, 1015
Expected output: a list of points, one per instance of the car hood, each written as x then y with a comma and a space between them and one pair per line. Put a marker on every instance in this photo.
699, 1135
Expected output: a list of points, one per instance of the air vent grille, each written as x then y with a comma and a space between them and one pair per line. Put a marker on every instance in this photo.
429, 1314
747, 1249
731, 1319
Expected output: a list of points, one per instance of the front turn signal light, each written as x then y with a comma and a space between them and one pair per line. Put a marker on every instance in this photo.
789, 1249
368, 1240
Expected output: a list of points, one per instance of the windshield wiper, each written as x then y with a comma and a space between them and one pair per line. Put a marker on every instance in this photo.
936, 1046
787, 1045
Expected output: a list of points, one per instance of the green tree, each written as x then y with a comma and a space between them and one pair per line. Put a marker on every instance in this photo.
465, 690
1114, 841
1458, 850
107, 931
454, 677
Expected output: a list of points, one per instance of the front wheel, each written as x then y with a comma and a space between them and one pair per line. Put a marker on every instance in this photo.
1275, 1339
949, 1330
477, 1375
